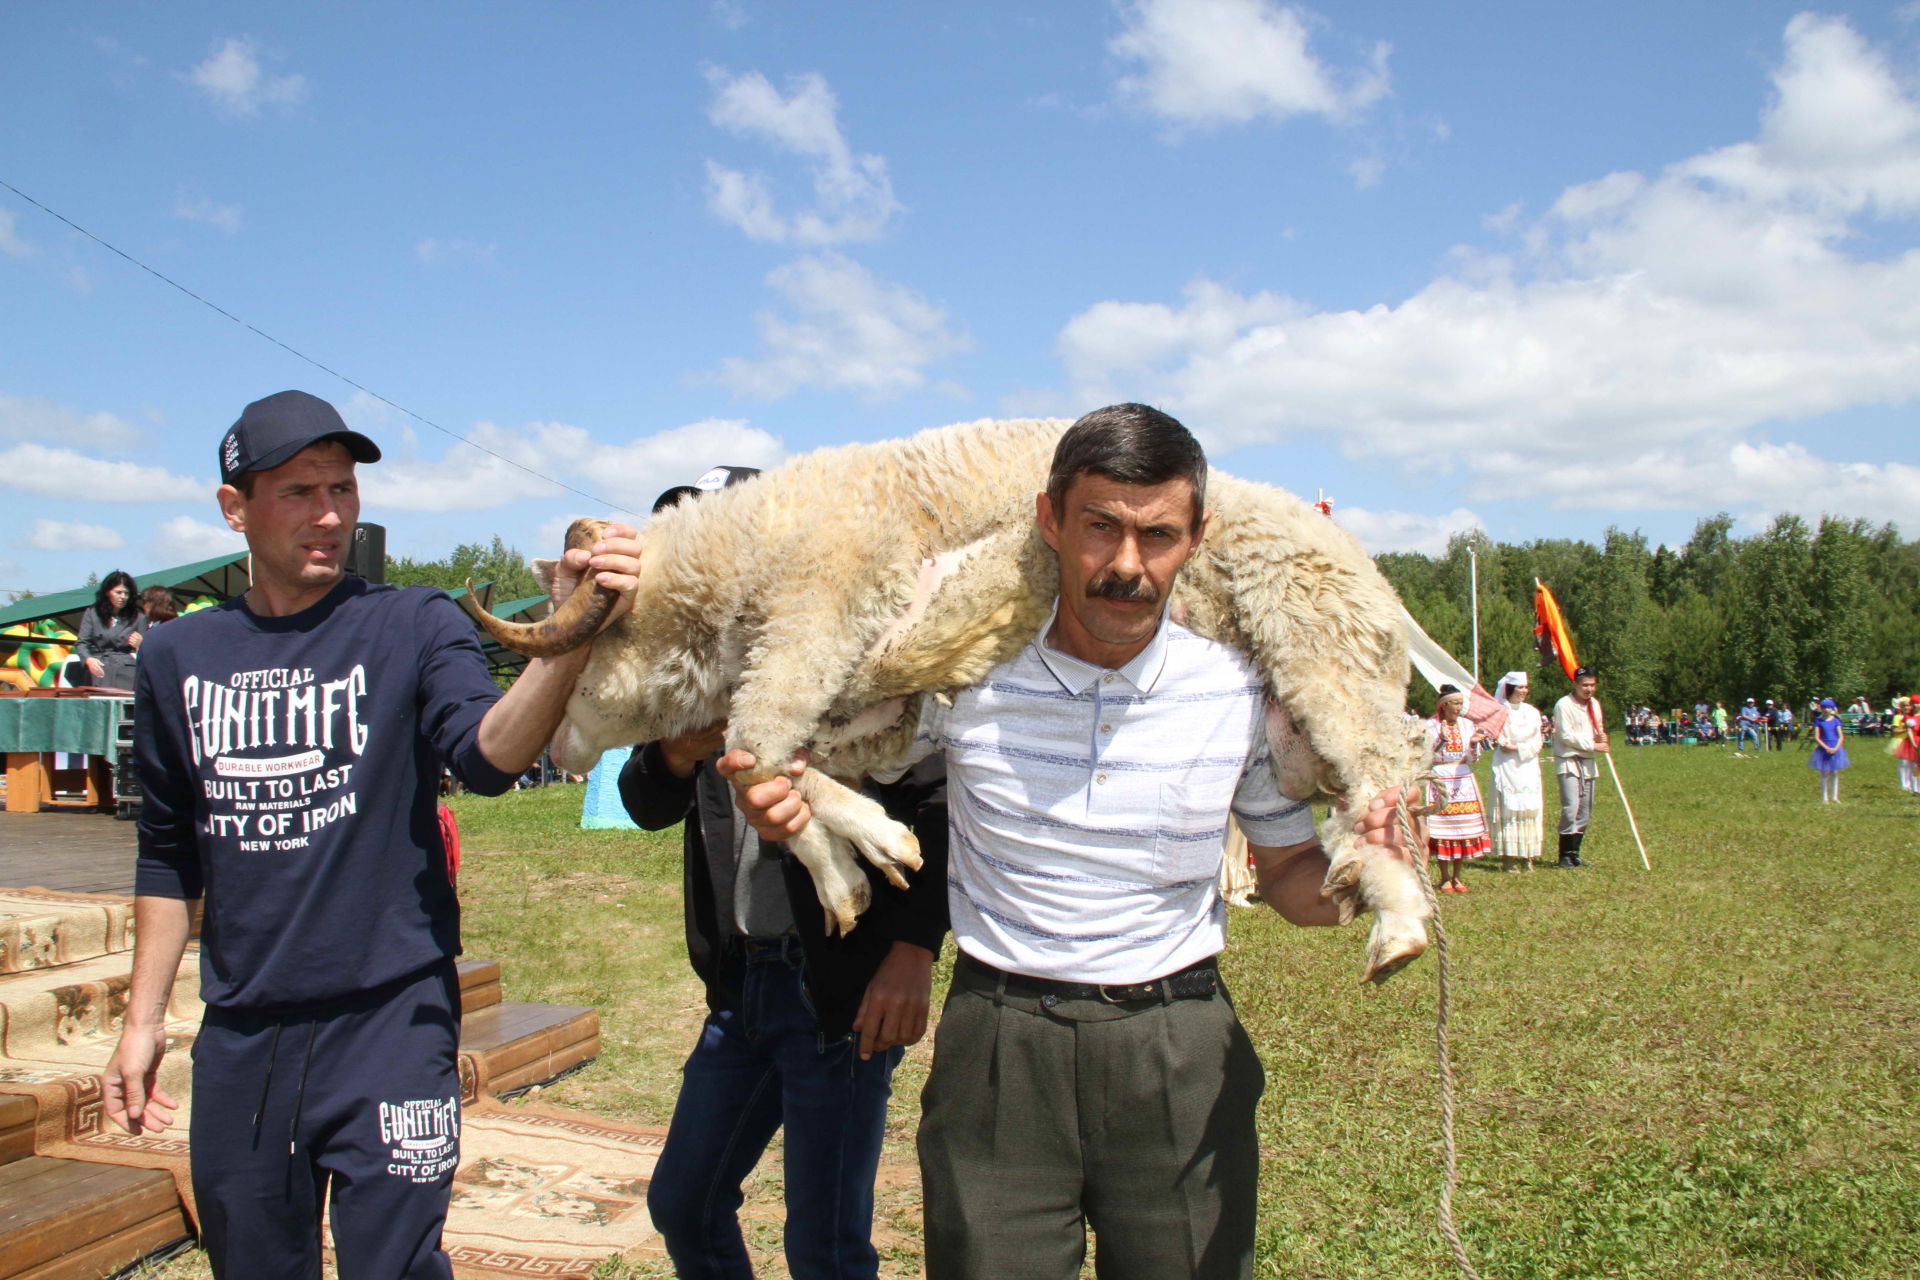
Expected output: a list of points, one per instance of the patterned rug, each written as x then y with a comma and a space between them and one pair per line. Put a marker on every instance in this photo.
547, 1191
58, 1028
40, 928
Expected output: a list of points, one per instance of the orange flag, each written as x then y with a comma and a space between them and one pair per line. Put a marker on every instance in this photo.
1550, 631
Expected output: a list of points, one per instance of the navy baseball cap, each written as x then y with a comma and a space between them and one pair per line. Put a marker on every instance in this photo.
716, 479
272, 430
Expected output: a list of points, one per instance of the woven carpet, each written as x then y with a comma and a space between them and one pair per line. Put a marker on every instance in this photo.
41, 928
547, 1191
58, 1028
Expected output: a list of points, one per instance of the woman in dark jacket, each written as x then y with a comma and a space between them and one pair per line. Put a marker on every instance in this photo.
110, 633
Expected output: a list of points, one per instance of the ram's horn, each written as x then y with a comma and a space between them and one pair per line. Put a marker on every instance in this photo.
574, 623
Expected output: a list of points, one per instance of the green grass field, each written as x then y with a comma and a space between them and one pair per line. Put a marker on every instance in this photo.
1709, 1070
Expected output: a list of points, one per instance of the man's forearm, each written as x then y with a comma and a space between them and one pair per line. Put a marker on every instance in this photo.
518, 728
160, 928
1290, 881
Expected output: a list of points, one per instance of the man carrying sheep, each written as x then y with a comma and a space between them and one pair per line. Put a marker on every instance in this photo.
1089, 1069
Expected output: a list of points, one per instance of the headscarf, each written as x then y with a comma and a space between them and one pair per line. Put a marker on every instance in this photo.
1507, 682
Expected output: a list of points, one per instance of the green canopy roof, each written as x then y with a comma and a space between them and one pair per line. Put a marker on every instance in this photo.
220, 577
226, 576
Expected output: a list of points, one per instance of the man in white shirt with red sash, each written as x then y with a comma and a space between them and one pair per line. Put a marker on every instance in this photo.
1089, 1069
1579, 739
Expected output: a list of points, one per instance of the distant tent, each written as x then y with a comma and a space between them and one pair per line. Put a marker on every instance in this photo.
37, 634
218, 578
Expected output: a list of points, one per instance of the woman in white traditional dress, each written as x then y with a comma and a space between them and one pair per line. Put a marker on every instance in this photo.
1456, 821
1517, 833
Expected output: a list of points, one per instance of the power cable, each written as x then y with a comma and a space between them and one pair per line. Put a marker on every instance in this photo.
301, 355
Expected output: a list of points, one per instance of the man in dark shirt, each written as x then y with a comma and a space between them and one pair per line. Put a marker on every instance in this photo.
803, 1031
290, 744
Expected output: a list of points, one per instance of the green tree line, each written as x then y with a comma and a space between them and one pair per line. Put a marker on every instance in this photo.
1796, 612
494, 562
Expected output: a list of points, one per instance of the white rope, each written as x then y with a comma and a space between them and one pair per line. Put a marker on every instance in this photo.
1443, 1051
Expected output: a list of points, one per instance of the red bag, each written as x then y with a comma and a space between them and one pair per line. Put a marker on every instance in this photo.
450, 837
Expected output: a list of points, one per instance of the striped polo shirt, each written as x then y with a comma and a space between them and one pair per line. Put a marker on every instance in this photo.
1088, 806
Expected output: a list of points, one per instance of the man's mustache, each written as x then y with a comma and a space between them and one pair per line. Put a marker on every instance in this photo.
1117, 588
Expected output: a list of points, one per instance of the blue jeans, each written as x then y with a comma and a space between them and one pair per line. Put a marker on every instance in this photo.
761, 1064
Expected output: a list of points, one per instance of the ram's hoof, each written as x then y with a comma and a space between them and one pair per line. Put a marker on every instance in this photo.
1386, 958
842, 915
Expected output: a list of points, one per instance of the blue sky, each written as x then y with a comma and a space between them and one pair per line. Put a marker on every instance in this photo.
1536, 268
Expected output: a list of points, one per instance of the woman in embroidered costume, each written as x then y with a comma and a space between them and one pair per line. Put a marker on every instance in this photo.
1456, 823
1906, 747
1517, 794
1829, 750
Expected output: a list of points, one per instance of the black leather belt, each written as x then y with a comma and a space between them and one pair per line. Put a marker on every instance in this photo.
1195, 982
787, 947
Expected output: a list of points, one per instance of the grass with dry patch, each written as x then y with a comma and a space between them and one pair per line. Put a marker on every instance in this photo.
1709, 1069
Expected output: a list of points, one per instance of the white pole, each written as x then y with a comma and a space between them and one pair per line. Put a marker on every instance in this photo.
1473, 572
1629, 808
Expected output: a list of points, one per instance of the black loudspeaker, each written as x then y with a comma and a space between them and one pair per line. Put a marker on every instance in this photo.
367, 555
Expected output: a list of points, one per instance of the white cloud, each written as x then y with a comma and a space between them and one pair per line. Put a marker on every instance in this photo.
1382, 531
78, 280
10, 242
64, 535
852, 194
729, 13
1206, 63
842, 330
234, 81
433, 251
637, 472
1759, 478
1643, 318
183, 540
627, 474
35, 418
224, 217
502, 471
63, 473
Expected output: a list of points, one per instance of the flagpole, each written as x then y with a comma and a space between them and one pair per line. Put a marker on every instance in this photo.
1634, 826
1473, 574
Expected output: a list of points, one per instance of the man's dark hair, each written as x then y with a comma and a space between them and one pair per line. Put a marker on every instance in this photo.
1131, 443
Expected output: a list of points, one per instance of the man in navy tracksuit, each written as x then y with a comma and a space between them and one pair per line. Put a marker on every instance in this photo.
290, 745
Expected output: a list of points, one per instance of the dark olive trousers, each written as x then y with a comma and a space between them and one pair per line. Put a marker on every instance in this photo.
1042, 1120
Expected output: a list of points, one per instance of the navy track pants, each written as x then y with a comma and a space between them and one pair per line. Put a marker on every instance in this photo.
355, 1105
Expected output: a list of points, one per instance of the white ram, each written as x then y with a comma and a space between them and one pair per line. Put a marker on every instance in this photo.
815, 604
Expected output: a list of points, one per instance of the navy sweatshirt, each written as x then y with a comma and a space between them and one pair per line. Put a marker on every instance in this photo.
291, 767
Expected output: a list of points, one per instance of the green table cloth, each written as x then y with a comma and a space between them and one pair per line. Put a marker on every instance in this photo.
84, 725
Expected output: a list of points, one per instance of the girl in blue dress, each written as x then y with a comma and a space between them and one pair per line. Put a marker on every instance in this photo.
1829, 751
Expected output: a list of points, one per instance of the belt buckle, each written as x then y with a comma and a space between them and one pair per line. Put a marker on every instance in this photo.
1144, 995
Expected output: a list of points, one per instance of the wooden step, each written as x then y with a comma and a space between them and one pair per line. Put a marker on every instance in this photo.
479, 985
71, 1220
17, 1114
514, 1045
